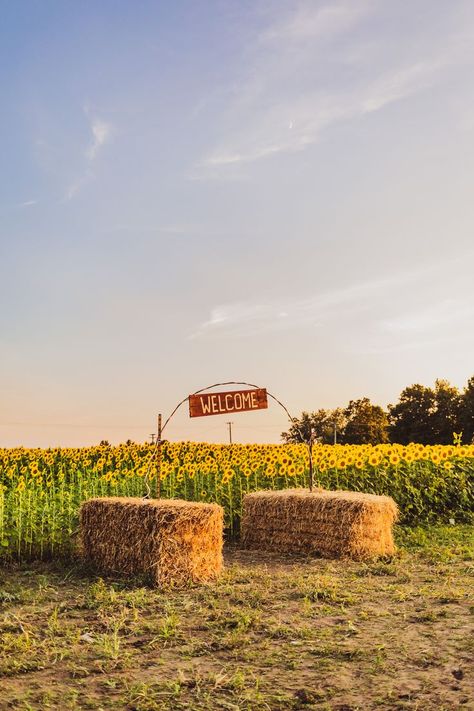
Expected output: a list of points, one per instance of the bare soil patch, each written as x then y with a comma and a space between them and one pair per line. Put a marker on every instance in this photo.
276, 632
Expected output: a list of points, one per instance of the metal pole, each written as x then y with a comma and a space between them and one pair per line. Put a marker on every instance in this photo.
230, 431
158, 459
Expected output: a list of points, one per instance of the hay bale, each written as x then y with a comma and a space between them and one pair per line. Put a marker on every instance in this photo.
332, 524
175, 542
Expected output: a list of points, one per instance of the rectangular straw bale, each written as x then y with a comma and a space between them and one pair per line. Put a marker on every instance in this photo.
175, 542
332, 524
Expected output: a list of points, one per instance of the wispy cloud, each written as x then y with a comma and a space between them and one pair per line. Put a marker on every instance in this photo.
75, 187
398, 347
283, 104
286, 128
396, 308
18, 206
310, 22
244, 317
448, 313
401, 83
101, 133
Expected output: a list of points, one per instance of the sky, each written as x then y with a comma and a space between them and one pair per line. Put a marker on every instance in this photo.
195, 192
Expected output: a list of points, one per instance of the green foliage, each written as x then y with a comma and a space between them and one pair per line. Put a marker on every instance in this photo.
424, 415
410, 417
360, 422
365, 423
41, 490
466, 412
325, 424
445, 418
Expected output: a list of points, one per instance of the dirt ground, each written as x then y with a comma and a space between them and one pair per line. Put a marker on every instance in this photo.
274, 633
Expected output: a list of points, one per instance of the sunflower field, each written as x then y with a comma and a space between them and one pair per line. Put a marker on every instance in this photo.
41, 489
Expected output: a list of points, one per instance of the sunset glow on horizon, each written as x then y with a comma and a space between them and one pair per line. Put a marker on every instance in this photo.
193, 193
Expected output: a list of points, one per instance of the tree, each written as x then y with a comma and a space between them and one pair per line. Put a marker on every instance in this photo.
445, 417
410, 418
466, 412
425, 415
365, 423
338, 425
322, 421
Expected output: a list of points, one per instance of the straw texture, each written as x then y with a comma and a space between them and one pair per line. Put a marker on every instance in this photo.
175, 542
332, 524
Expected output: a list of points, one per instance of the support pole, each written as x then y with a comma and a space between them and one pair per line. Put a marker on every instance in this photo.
158, 459
310, 447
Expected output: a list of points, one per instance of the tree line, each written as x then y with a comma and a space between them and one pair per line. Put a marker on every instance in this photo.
422, 414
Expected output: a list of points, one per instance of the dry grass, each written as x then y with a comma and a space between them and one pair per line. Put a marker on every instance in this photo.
333, 524
173, 542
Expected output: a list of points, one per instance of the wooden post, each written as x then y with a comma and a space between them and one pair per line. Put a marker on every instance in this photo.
158, 459
311, 438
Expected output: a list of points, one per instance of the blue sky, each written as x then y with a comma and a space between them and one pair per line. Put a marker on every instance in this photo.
278, 192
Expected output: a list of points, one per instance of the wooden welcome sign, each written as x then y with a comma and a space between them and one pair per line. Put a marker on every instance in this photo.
205, 404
